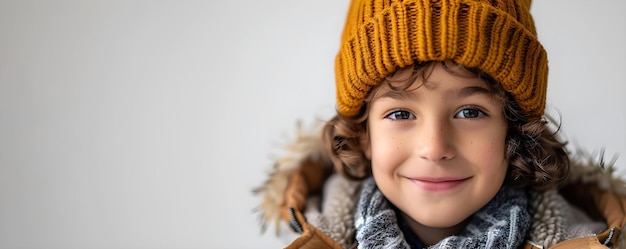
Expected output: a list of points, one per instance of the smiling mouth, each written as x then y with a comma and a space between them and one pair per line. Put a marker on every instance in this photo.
438, 184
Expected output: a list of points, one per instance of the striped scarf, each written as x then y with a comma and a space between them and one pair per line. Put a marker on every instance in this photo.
502, 223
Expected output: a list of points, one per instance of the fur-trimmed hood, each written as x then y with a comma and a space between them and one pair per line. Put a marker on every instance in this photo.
302, 190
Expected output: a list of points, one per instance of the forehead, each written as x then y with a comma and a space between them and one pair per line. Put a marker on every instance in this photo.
439, 75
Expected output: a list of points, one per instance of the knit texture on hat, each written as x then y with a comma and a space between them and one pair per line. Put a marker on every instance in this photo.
497, 37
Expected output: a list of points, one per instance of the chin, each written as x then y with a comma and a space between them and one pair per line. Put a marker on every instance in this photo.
447, 222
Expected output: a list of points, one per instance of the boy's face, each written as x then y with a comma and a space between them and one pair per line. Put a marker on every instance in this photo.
438, 151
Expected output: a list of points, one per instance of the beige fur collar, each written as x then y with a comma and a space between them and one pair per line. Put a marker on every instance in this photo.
307, 144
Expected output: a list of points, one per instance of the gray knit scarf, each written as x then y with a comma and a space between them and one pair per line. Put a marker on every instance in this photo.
502, 223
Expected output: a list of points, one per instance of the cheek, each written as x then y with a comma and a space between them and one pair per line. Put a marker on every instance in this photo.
492, 155
388, 154
385, 151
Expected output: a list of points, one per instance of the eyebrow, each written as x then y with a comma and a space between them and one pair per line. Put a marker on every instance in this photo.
397, 95
471, 90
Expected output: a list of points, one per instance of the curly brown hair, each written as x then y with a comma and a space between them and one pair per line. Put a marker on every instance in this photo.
537, 159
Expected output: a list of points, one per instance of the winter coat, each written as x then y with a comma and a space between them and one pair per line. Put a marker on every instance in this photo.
303, 195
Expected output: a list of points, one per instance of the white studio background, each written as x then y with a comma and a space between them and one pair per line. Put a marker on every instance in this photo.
146, 124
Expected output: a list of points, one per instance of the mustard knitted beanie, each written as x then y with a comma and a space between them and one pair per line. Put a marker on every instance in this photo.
496, 36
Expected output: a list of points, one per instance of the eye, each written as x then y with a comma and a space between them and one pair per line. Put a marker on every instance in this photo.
470, 112
400, 115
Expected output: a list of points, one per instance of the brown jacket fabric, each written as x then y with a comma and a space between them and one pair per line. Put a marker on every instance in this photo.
302, 174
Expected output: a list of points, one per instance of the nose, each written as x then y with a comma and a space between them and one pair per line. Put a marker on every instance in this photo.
436, 141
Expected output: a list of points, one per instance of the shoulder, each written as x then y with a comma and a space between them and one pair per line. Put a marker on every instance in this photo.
590, 207
327, 220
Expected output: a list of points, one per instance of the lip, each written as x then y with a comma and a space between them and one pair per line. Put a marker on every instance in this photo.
438, 184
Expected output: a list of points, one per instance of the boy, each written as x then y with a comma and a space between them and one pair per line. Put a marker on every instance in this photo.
439, 140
